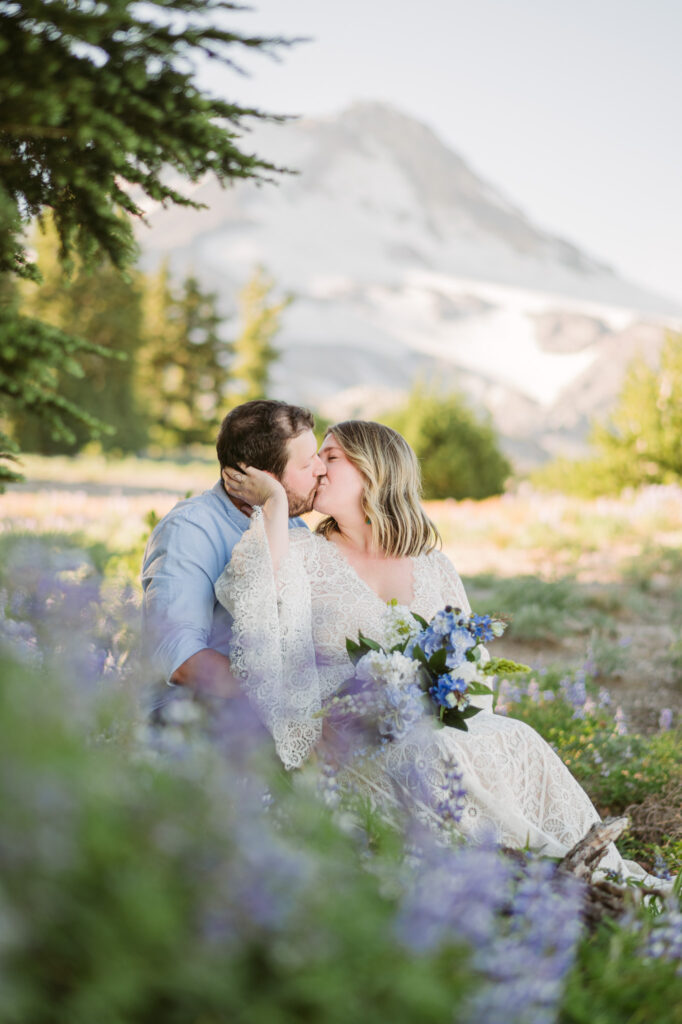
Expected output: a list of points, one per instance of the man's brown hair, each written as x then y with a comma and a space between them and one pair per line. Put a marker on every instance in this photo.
256, 434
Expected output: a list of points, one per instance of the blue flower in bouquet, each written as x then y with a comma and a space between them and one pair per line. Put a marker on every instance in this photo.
428, 641
459, 641
450, 692
442, 622
484, 628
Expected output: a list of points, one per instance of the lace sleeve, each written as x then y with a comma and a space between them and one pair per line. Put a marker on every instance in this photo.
452, 587
271, 649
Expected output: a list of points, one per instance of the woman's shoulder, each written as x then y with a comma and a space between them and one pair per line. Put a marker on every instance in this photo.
438, 565
439, 560
309, 544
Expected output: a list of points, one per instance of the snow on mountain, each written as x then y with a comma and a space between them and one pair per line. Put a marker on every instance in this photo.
405, 263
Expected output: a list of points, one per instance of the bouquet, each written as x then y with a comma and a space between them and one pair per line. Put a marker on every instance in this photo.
428, 667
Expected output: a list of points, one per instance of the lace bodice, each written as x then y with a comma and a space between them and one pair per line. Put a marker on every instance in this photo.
343, 604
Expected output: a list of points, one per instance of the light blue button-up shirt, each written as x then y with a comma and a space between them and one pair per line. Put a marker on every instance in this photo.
184, 557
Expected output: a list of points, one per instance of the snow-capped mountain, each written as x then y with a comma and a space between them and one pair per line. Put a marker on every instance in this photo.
404, 262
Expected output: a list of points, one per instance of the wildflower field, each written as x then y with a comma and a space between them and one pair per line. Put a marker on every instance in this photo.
175, 873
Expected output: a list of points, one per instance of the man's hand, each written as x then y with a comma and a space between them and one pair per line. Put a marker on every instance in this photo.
208, 672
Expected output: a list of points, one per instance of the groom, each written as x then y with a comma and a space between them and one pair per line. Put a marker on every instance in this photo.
186, 630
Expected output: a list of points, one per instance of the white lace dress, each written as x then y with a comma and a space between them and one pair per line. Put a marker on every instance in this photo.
289, 648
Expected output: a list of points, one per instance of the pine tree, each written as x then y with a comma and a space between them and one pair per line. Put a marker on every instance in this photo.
99, 105
104, 307
254, 352
184, 363
642, 439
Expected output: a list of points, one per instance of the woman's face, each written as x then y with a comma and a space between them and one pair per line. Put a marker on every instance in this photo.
339, 493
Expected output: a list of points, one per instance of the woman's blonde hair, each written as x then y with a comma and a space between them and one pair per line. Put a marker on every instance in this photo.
391, 498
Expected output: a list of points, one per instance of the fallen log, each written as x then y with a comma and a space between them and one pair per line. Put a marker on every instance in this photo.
603, 897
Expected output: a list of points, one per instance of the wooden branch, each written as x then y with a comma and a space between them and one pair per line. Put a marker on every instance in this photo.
586, 854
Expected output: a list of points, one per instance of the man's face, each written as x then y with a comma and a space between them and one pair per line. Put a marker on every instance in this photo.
302, 472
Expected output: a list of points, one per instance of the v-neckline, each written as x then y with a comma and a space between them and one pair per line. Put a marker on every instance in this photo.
353, 571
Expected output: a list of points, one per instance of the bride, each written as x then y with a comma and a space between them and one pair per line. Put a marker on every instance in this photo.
295, 596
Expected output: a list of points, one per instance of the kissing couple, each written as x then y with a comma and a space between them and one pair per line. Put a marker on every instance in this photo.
240, 595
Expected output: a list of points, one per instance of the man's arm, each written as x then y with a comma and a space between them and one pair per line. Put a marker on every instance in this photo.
181, 560
209, 672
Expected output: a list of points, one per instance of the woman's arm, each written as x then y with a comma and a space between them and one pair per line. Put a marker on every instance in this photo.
271, 646
256, 487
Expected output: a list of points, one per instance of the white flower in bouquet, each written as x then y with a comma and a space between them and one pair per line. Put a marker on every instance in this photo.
394, 669
400, 625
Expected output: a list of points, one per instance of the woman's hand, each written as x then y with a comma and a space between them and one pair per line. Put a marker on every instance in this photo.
253, 486
256, 487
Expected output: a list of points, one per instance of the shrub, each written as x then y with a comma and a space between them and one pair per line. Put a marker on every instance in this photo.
458, 450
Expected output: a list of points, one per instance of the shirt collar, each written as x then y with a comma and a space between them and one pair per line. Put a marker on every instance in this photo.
232, 511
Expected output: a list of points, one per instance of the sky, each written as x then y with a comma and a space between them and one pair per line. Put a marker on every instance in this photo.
571, 109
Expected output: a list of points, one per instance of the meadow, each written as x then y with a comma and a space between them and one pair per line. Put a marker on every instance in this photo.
174, 873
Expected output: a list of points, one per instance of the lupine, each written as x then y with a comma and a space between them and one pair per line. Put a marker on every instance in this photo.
661, 937
665, 719
521, 933
620, 722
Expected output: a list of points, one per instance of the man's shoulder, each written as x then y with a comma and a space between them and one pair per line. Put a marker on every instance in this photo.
208, 513
199, 508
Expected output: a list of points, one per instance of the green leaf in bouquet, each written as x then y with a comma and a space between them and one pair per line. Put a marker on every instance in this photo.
437, 661
505, 667
457, 719
470, 712
372, 644
425, 679
356, 651
478, 689
418, 655
422, 622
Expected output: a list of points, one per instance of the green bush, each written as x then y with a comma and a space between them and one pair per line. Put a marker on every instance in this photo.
458, 449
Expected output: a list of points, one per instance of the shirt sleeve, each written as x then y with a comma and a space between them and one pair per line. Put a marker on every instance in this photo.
180, 565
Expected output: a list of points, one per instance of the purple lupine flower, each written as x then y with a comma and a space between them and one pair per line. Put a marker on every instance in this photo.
662, 940
504, 697
451, 806
665, 719
620, 722
533, 691
527, 962
442, 902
